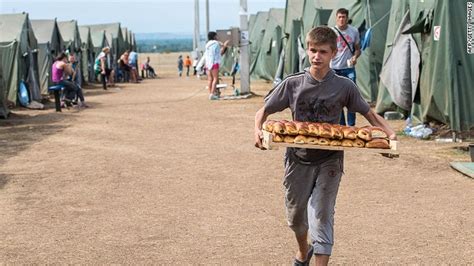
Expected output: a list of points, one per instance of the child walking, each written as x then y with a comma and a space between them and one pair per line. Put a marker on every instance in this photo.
312, 176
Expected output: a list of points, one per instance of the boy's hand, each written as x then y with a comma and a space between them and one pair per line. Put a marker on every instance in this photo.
393, 136
258, 139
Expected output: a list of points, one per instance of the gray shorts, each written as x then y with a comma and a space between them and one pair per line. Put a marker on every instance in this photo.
310, 198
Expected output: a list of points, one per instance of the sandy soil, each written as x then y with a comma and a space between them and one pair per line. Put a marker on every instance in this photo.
157, 173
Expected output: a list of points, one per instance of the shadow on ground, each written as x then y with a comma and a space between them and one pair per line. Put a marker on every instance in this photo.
20, 130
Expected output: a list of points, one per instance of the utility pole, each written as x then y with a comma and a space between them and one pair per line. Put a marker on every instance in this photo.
207, 16
244, 49
196, 37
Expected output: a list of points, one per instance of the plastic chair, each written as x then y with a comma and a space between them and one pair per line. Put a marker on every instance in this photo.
56, 89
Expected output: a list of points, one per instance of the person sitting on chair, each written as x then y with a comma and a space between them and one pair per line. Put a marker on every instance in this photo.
59, 70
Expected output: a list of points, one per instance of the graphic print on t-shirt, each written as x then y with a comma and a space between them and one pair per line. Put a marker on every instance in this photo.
315, 110
341, 44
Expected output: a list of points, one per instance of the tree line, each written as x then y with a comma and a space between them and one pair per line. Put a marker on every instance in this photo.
164, 45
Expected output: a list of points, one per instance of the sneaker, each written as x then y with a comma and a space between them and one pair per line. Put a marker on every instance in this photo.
213, 97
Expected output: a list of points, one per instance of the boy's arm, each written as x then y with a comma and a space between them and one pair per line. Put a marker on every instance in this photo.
376, 120
260, 117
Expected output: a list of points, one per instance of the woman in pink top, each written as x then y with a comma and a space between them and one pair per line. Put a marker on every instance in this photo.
59, 70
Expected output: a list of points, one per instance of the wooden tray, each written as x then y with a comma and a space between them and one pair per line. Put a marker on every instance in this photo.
270, 145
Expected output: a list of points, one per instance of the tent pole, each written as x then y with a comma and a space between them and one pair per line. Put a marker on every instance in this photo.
207, 16
244, 49
196, 37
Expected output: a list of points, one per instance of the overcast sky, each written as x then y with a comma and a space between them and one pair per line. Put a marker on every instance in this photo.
140, 16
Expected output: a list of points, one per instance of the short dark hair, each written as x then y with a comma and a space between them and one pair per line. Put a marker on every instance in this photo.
322, 35
342, 11
211, 35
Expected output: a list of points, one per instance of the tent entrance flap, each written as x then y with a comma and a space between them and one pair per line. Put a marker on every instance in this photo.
400, 72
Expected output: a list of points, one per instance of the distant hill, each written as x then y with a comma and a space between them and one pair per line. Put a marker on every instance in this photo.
163, 36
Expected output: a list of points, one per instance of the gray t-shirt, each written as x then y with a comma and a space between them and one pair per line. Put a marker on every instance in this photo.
315, 101
343, 52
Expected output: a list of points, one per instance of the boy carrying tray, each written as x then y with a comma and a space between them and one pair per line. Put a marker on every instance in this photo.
312, 176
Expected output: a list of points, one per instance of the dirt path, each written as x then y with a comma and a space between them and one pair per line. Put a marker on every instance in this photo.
156, 173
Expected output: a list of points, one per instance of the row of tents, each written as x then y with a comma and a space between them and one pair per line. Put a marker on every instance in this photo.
28, 48
414, 59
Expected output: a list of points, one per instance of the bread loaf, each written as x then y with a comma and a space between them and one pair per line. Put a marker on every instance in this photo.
268, 125
336, 132
313, 129
289, 139
349, 132
378, 133
358, 143
323, 141
277, 138
302, 128
364, 133
290, 128
312, 140
378, 143
335, 142
347, 143
279, 128
300, 139
325, 130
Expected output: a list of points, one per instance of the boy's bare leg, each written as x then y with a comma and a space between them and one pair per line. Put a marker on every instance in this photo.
303, 247
321, 260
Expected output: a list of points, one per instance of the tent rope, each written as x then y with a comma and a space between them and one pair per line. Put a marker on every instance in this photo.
380, 19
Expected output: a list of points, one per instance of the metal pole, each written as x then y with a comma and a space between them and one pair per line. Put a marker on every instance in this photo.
244, 49
207, 16
196, 38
